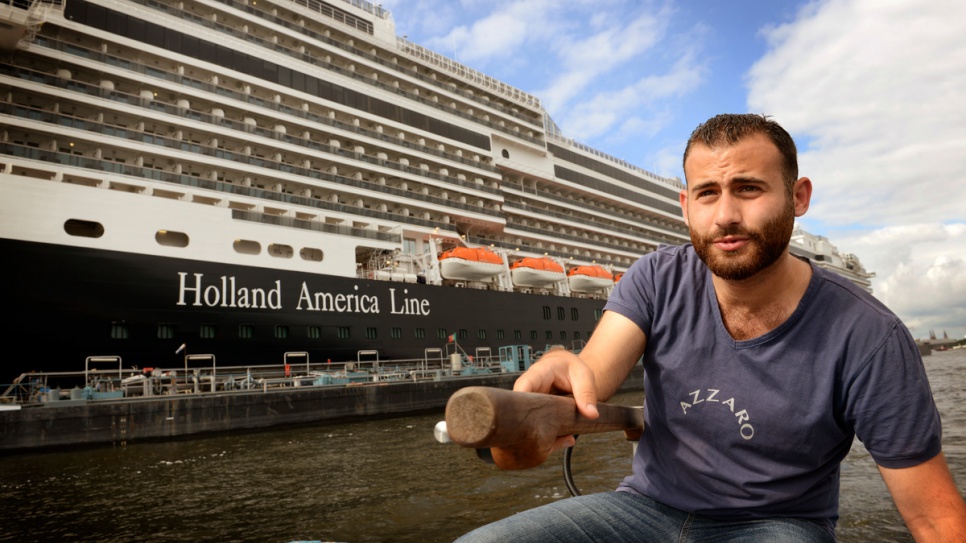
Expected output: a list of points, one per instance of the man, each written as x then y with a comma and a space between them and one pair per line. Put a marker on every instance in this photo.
760, 371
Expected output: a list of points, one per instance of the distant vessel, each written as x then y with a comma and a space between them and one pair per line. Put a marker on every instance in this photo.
245, 180
823, 254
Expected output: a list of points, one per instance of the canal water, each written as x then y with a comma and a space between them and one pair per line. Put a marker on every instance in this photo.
385, 480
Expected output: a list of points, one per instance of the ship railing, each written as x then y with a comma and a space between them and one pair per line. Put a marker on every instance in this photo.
176, 77
36, 389
390, 64
671, 181
318, 62
173, 143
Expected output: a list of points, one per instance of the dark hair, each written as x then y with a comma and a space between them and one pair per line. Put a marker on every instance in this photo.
730, 128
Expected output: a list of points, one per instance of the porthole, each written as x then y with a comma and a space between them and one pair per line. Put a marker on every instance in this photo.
84, 229
310, 254
280, 251
247, 247
171, 239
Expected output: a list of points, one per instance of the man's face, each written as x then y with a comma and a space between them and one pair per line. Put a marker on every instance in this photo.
736, 206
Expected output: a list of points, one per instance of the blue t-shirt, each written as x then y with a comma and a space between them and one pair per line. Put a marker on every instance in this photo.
758, 428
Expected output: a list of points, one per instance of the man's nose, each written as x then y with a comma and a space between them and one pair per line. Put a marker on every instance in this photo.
727, 211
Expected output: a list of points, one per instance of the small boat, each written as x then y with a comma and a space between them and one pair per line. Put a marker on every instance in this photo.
617, 278
536, 272
469, 264
589, 278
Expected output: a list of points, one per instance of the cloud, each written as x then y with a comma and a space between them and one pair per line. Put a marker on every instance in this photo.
927, 281
601, 112
876, 90
500, 34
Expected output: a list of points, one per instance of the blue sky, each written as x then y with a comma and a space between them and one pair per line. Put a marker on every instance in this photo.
874, 92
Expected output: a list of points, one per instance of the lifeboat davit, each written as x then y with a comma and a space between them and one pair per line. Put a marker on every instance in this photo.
536, 272
469, 264
589, 278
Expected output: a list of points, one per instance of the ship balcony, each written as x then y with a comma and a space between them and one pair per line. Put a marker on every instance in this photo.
147, 98
640, 230
243, 31
299, 144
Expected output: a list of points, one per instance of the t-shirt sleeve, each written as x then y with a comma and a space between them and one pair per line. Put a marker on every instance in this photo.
891, 406
630, 297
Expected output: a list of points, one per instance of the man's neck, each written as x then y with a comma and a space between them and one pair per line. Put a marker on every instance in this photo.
757, 305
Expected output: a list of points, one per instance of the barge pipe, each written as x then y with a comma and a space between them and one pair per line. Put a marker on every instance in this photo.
520, 428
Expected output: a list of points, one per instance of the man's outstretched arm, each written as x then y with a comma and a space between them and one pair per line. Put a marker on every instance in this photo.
928, 500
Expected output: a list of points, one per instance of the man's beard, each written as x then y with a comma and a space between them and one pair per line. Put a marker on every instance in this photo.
767, 246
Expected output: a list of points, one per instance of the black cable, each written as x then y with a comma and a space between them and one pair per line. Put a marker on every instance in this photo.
568, 476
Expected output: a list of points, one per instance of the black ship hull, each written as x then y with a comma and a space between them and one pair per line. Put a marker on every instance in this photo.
69, 303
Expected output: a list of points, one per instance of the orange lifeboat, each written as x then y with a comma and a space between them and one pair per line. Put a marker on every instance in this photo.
536, 272
469, 264
617, 278
589, 278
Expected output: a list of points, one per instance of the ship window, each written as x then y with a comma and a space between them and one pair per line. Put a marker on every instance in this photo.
171, 239
311, 254
546, 312
499, 334
573, 313
420, 333
463, 334
409, 246
549, 335
119, 331
481, 333
280, 251
441, 333
246, 331
371, 333
314, 332
576, 335
207, 331
560, 313
343, 332
165, 331
597, 314
505, 153
247, 247
517, 334
533, 334
84, 229
396, 332
281, 331
563, 336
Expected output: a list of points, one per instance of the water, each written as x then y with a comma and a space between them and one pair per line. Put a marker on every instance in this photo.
370, 481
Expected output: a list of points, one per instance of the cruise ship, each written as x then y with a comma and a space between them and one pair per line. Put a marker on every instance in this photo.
247, 179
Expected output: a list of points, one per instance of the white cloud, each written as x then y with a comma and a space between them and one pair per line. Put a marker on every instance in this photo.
926, 283
878, 92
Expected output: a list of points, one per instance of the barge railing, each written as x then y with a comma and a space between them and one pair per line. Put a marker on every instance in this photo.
51, 389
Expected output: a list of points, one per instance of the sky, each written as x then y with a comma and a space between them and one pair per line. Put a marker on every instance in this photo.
873, 91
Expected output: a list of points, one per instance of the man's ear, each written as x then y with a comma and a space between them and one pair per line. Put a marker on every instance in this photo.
802, 193
683, 197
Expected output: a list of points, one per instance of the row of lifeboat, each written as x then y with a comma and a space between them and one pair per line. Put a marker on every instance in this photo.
480, 264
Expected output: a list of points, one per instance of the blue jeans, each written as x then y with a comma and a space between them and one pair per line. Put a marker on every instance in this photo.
622, 516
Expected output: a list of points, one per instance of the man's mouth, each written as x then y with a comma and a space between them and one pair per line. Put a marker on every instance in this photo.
730, 243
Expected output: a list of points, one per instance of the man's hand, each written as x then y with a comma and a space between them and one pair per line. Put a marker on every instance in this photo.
595, 375
560, 371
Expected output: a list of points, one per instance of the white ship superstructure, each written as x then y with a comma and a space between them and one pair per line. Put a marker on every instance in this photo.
823, 254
